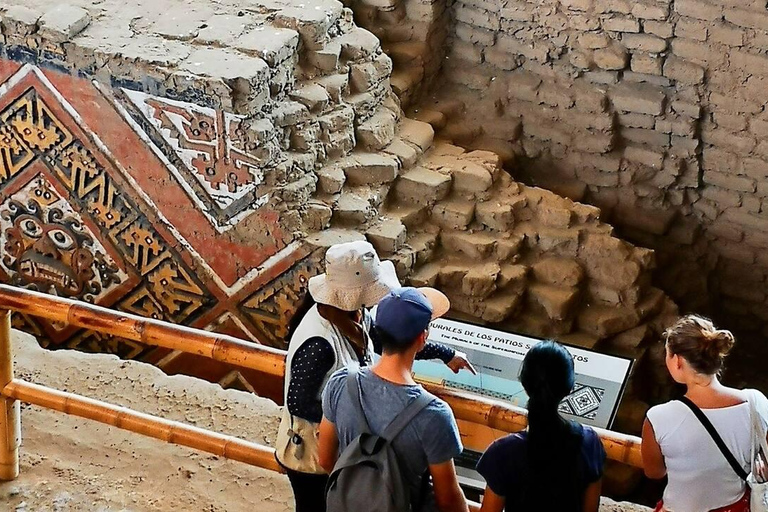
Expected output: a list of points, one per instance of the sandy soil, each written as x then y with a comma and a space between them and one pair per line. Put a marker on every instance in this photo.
71, 464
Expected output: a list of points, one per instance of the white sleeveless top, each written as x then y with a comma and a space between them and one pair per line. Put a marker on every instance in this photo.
700, 477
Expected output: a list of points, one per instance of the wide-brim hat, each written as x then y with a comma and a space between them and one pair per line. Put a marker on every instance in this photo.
354, 277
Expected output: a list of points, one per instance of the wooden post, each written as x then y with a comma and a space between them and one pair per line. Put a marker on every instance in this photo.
10, 424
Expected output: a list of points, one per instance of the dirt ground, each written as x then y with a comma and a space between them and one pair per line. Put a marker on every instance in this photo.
70, 464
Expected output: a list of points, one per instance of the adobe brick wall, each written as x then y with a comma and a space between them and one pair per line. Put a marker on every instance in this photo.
653, 110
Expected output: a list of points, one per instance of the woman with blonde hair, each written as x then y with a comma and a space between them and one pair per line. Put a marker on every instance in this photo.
703, 442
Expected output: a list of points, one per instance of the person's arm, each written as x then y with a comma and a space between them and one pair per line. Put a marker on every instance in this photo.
454, 359
592, 496
492, 502
309, 366
653, 459
328, 445
448, 495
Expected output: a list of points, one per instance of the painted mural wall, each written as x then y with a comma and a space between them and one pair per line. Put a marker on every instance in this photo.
142, 204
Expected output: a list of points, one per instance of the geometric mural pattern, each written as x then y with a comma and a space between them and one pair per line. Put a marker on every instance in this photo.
583, 401
76, 222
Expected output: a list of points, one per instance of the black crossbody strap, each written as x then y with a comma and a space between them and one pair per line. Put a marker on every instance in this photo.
716, 438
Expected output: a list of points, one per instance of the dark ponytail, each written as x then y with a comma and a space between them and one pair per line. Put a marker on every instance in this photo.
554, 444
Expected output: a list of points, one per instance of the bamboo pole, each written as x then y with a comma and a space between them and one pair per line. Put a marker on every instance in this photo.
152, 426
10, 425
149, 331
508, 418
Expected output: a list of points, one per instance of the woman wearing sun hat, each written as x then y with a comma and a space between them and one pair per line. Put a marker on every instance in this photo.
333, 334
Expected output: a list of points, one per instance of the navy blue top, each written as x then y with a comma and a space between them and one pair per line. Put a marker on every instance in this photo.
504, 466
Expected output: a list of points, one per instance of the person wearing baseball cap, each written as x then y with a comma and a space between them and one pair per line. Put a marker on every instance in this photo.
329, 332
431, 439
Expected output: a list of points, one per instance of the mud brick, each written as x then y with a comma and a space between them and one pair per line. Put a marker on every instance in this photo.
755, 168
536, 50
387, 237
630, 120
480, 281
358, 44
563, 272
475, 35
20, 21
730, 181
686, 109
592, 176
369, 168
644, 156
422, 186
621, 24
524, 86
750, 63
748, 18
501, 59
724, 138
697, 52
606, 321
468, 52
63, 22
650, 11
653, 80
274, 45
576, 5
612, 6
659, 28
638, 99
647, 64
556, 302
730, 103
594, 143
644, 42
475, 245
555, 96
728, 35
366, 75
453, 214
612, 58
715, 159
643, 136
759, 127
699, 10
732, 122
594, 40
589, 98
691, 29
476, 17
683, 71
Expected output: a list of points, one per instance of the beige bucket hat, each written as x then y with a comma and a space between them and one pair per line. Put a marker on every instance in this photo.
354, 277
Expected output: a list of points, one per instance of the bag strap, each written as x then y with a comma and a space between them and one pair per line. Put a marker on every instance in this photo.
356, 399
758, 434
716, 438
406, 415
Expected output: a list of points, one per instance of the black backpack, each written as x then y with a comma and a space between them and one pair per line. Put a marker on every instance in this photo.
367, 477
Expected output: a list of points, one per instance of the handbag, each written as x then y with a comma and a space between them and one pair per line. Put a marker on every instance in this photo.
758, 477
297, 444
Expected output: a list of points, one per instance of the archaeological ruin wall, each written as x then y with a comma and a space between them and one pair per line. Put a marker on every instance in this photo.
192, 163
655, 111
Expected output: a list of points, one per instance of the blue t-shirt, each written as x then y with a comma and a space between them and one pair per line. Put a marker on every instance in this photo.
504, 465
431, 438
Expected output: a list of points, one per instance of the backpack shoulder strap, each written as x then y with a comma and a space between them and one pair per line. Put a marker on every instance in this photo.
715, 437
356, 399
406, 416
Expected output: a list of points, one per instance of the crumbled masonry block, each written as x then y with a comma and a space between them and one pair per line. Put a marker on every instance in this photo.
20, 20
352, 208
453, 214
274, 45
378, 131
471, 178
480, 281
562, 272
369, 169
556, 302
422, 186
62, 23
638, 99
475, 245
387, 237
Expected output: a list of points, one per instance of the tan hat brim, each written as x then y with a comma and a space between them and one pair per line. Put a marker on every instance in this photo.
440, 303
352, 299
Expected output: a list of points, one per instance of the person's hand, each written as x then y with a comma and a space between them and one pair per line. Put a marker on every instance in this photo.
460, 362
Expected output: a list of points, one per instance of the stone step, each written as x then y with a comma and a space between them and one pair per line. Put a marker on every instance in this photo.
362, 168
421, 135
387, 236
411, 215
421, 186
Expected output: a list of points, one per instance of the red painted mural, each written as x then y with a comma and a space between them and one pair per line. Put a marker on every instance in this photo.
144, 204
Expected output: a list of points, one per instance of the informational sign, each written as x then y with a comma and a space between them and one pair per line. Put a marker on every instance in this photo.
497, 357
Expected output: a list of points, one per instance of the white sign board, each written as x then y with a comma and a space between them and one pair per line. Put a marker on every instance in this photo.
497, 357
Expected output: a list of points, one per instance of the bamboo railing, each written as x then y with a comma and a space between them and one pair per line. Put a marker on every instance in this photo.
219, 347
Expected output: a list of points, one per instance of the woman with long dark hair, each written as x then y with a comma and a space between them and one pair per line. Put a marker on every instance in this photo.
555, 464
